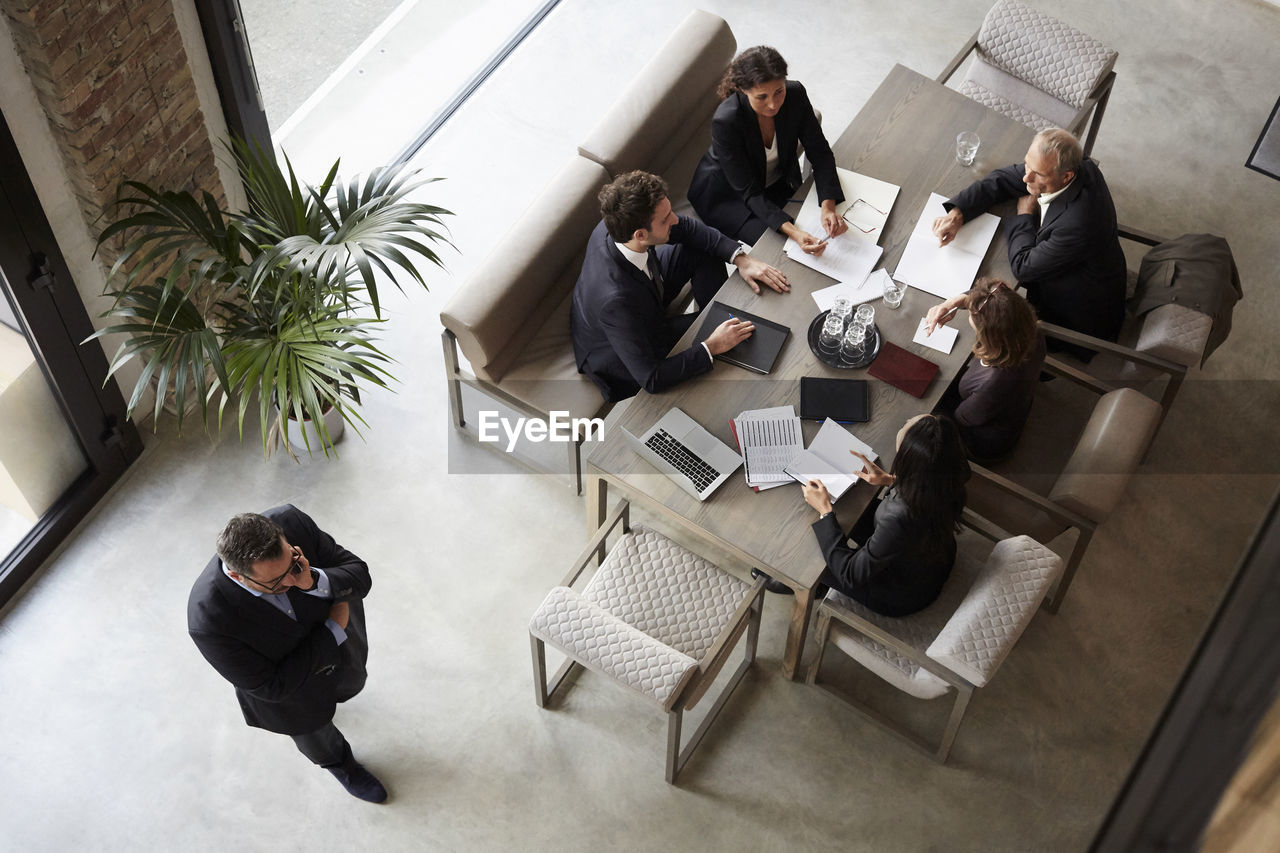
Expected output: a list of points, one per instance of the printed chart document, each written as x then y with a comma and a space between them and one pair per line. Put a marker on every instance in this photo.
769, 438
942, 339
872, 287
866, 205
828, 459
948, 270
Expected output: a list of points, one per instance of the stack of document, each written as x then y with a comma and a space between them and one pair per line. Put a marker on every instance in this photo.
768, 439
828, 459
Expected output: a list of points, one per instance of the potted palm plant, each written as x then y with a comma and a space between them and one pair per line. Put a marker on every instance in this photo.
276, 304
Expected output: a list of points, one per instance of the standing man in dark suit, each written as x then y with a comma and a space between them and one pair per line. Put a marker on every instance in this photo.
1063, 244
279, 613
638, 258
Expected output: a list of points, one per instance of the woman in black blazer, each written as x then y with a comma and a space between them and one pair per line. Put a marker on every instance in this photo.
753, 166
909, 545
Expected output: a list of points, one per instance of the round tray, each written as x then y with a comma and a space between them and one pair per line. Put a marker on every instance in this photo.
835, 359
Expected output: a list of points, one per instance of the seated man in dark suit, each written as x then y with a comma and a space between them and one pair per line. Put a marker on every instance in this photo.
279, 613
1063, 244
638, 258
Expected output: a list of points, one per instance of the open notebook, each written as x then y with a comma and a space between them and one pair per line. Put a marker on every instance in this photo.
828, 459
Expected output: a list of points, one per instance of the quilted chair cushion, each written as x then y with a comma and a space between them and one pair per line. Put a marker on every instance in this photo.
1015, 98
917, 630
603, 642
970, 628
1175, 332
673, 595
997, 609
1043, 51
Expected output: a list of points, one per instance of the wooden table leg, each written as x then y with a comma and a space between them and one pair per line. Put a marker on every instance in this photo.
597, 494
797, 633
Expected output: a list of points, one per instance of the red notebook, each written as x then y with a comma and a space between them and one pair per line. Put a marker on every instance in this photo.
903, 369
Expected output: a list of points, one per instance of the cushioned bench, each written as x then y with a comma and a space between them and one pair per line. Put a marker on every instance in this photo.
510, 318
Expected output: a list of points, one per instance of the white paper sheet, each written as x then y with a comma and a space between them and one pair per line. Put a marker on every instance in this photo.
872, 287
943, 338
878, 197
948, 270
846, 259
828, 458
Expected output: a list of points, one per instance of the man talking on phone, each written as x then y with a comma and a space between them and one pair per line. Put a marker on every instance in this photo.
279, 613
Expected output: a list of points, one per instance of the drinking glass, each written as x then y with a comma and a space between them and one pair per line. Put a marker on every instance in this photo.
842, 308
866, 314
854, 345
893, 292
967, 147
832, 333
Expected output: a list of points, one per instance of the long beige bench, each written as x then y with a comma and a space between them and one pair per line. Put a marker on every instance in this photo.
510, 318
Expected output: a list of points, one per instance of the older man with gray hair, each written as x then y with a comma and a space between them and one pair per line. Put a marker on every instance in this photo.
1063, 243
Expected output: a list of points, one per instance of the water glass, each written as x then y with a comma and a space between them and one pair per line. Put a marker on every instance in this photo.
866, 314
842, 308
832, 333
893, 292
967, 147
854, 345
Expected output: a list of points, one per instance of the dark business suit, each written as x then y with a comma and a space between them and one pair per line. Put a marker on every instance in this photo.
621, 333
898, 570
728, 190
1071, 263
288, 675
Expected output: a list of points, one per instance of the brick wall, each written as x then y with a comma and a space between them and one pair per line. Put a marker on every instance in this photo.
113, 79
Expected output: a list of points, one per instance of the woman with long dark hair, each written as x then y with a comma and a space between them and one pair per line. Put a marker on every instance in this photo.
753, 165
909, 545
991, 399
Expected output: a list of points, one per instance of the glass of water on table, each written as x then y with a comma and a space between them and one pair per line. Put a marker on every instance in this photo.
866, 314
832, 333
967, 147
893, 293
854, 345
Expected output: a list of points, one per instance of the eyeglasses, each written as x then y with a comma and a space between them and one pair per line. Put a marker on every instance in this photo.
863, 207
295, 568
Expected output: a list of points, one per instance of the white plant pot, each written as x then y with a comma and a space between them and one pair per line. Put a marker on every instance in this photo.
294, 429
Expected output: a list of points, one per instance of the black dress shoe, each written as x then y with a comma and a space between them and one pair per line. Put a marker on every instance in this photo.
772, 585
360, 783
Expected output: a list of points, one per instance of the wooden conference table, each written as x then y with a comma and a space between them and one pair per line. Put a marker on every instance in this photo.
905, 135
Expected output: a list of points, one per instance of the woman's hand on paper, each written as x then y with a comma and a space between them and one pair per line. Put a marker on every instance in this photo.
817, 496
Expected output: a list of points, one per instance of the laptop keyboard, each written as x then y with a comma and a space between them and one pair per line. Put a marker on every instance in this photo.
689, 464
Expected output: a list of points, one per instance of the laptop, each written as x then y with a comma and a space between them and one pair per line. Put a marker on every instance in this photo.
758, 352
696, 460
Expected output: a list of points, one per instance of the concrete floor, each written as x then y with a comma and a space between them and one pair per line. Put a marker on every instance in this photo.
118, 736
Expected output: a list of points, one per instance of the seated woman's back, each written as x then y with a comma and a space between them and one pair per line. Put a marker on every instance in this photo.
908, 546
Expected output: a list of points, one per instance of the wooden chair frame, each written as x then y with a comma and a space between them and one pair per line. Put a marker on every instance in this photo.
456, 377
1176, 372
746, 619
940, 749
1095, 103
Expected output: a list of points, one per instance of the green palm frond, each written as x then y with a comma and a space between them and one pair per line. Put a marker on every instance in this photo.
265, 301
